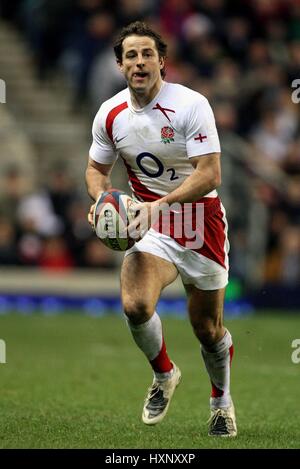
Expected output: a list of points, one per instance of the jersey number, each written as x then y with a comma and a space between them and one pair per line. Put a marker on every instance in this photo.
160, 167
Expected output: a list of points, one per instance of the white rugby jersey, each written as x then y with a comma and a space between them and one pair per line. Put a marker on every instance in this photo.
157, 141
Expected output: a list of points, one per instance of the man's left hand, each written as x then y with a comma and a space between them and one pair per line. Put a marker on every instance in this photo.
145, 215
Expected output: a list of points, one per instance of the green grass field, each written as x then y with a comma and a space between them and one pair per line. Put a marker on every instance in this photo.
73, 381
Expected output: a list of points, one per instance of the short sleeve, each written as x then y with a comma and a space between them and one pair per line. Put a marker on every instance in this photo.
102, 149
201, 132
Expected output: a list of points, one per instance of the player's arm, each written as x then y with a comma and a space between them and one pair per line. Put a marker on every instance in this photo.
97, 177
101, 160
205, 178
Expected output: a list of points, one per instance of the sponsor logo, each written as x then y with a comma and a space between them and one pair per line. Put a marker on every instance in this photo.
120, 139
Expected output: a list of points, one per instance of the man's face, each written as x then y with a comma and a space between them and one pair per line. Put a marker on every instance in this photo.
141, 63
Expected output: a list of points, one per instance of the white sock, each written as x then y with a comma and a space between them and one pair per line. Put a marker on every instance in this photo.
149, 338
217, 361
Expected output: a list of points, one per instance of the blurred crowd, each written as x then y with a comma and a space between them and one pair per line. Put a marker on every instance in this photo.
243, 55
47, 228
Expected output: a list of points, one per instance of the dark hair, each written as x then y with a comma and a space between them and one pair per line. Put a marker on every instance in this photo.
139, 28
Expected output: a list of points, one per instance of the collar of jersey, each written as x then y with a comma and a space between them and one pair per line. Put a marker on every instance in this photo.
149, 105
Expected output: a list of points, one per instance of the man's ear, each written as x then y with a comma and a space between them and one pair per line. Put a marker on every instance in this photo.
161, 62
120, 66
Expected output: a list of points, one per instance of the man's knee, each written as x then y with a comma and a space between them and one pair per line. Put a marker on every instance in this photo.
137, 310
207, 330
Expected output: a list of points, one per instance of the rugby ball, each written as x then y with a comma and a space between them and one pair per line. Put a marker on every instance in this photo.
111, 219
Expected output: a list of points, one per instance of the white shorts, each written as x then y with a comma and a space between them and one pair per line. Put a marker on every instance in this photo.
193, 267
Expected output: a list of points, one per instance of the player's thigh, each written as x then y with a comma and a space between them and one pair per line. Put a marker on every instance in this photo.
205, 306
143, 277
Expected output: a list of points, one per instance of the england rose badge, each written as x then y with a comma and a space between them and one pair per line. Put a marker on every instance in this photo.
167, 135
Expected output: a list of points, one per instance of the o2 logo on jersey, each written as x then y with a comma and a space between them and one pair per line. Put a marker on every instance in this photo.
296, 353
296, 93
159, 166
